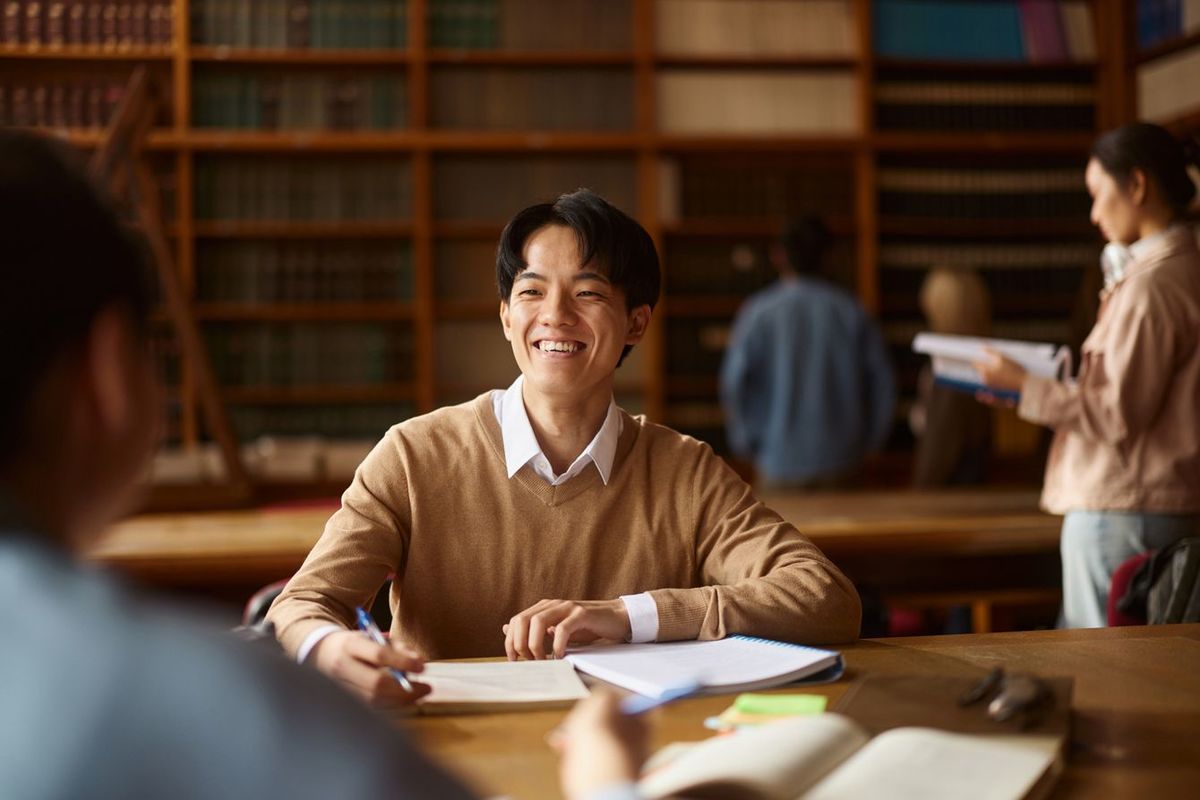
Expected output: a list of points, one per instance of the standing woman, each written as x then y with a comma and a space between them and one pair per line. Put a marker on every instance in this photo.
1124, 466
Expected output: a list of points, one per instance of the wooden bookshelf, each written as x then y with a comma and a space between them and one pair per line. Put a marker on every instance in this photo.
446, 248
1161, 78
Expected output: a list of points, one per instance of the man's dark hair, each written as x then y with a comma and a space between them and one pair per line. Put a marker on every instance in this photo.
66, 257
610, 240
1157, 153
804, 241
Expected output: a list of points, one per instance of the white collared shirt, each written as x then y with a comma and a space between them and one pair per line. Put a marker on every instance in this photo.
521, 447
1116, 257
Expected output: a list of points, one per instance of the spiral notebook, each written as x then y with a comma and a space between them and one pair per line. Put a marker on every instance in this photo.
733, 664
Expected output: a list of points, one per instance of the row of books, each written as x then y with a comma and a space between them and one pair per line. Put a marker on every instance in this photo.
59, 104
696, 346
508, 98
1163, 20
471, 356
999, 30
1167, 86
984, 105
698, 188
755, 28
309, 354
1002, 254
104, 24
736, 267
1010, 289
706, 267
531, 24
464, 23
1044, 193
165, 352
303, 272
479, 187
712, 101
299, 102
240, 188
374, 24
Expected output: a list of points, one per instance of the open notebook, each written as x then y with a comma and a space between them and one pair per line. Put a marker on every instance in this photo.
830, 757
733, 664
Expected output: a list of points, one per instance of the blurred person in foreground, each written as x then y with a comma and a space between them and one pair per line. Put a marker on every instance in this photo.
107, 694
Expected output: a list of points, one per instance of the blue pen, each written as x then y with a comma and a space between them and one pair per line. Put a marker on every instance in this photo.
369, 627
640, 703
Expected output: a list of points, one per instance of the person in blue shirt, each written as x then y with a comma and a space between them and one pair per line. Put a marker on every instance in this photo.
806, 385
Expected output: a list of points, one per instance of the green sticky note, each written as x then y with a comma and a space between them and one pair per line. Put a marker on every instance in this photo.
780, 704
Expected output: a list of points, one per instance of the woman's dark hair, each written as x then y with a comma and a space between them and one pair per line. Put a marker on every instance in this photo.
66, 258
1157, 153
608, 239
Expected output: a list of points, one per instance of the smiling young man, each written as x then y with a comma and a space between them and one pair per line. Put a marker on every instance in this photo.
544, 511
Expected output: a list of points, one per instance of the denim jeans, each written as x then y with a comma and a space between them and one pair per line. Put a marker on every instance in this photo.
1094, 543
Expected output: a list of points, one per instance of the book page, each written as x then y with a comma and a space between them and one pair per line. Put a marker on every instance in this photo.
736, 663
924, 764
779, 760
501, 682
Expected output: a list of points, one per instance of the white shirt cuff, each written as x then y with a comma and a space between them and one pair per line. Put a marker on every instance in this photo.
313, 639
643, 617
616, 791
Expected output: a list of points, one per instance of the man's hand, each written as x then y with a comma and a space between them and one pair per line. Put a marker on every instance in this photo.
999, 373
356, 662
568, 622
599, 745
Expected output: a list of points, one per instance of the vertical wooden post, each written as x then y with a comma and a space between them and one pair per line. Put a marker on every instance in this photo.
654, 394
865, 201
181, 83
424, 318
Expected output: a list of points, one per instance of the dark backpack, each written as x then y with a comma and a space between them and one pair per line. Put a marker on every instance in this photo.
1166, 587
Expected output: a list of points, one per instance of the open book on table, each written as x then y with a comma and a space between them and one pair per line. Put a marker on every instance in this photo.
953, 358
830, 756
732, 664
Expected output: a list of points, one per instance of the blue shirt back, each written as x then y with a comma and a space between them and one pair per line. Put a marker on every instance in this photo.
806, 383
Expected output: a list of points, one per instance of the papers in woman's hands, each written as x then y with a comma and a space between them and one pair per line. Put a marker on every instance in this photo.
734, 664
954, 358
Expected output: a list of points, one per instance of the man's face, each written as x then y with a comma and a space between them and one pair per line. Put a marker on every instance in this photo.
566, 322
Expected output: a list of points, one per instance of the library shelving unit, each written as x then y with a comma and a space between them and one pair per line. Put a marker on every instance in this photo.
336, 173
1165, 66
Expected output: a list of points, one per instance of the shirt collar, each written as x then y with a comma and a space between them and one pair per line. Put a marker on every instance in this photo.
521, 444
1117, 259
1142, 246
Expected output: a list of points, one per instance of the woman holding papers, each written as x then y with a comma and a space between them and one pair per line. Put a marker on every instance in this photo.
1125, 463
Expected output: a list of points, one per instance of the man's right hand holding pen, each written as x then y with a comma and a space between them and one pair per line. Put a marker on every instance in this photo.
364, 667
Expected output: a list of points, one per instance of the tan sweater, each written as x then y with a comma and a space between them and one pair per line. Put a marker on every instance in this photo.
1126, 432
470, 548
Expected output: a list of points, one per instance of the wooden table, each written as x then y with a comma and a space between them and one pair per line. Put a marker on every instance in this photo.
1135, 713
965, 546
